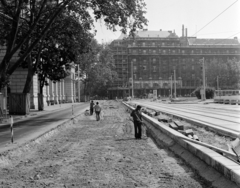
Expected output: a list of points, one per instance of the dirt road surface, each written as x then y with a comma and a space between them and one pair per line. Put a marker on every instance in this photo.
92, 153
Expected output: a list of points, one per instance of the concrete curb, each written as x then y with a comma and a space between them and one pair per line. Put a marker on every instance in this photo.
202, 159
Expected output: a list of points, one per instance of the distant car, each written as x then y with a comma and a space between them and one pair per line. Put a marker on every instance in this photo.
233, 101
226, 101
221, 101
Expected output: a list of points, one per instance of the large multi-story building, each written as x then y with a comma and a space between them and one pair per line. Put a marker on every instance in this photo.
153, 56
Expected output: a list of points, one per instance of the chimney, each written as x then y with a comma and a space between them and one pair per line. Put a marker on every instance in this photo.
182, 30
186, 32
160, 29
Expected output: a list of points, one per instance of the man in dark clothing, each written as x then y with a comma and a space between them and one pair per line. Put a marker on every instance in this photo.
91, 107
137, 120
97, 111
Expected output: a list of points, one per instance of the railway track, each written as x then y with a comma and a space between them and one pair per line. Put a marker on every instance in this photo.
214, 118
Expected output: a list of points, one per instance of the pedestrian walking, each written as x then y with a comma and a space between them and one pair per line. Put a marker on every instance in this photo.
97, 111
91, 107
137, 120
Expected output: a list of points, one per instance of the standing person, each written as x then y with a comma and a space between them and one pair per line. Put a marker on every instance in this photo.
97, 111
91, 107
137, 120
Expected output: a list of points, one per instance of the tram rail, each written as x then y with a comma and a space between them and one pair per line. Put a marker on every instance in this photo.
212, 122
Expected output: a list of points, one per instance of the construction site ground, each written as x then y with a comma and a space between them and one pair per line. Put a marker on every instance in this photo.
90, 153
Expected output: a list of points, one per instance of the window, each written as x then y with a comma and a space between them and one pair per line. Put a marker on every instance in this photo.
144, 67
134, 76
154, 68
134, 68
192, 67
144, 51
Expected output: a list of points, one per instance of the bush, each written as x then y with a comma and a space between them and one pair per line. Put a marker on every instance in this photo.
209, 92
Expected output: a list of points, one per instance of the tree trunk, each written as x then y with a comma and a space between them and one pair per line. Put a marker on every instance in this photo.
29, 80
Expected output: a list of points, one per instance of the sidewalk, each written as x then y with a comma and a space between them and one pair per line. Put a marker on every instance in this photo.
35, 112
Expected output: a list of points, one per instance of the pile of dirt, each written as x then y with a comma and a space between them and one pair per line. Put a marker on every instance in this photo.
94, 153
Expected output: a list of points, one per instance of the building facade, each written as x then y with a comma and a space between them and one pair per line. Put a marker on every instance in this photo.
54, 93
153, 57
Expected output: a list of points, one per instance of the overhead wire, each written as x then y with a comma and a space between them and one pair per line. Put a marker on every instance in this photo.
215, 17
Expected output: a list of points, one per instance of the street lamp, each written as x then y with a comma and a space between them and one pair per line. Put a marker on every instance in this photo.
79, 84
132, 79
175, 90
171, 85
203, 92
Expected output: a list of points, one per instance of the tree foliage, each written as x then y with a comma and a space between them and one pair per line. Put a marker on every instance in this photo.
227, 72
98, 70
209, 92
19, 20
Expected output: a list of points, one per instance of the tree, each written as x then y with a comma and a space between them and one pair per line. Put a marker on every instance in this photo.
21, 18
227, 72
209, 92
54, 56
98, 70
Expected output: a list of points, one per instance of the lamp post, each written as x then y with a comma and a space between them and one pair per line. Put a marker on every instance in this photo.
79, 99
175, 89
217, 83
132, 79
204, 85
171, 85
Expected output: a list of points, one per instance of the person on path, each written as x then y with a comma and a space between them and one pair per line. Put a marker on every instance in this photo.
97, 111
137, 120
91, 107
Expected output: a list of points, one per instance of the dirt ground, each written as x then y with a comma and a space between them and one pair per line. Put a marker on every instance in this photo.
93, 153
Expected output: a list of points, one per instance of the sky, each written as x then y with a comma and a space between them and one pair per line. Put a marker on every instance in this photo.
193, 14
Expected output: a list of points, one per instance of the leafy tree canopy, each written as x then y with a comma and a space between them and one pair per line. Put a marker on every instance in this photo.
20, 19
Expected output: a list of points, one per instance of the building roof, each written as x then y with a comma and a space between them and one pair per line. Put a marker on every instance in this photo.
152, 34
195, 41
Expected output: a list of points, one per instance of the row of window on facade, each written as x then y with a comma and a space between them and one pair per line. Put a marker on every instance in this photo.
181, 51
154, 68
165, 76
166, 60
150, 43
188, 83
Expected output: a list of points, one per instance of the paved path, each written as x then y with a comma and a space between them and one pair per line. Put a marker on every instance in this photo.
28, 127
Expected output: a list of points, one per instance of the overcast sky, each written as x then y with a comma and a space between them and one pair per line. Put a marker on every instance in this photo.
194, 14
